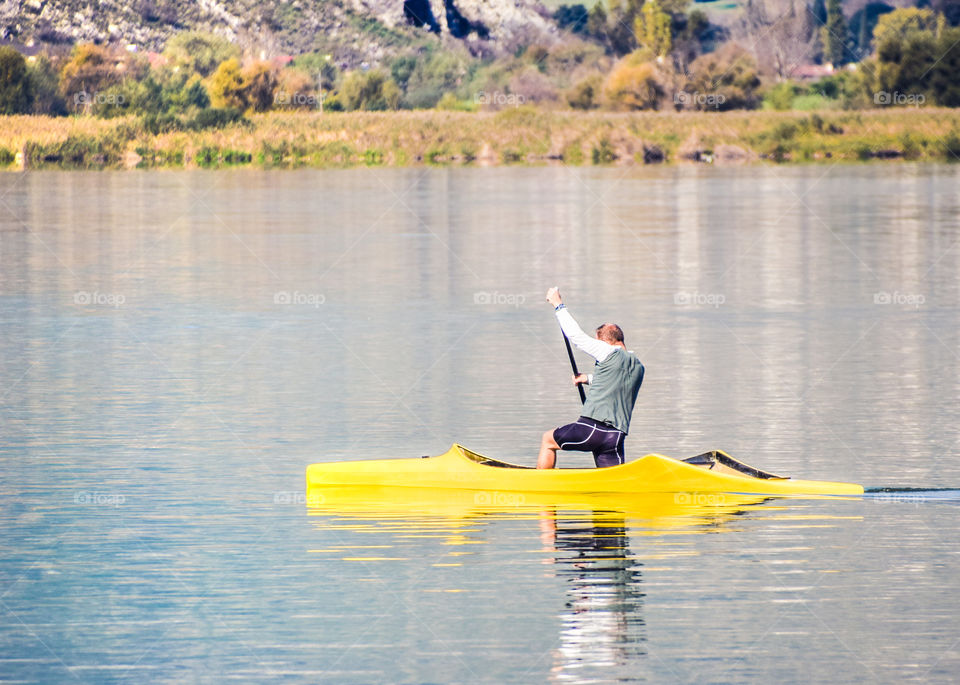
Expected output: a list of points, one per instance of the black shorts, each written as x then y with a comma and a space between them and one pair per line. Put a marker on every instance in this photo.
589, 435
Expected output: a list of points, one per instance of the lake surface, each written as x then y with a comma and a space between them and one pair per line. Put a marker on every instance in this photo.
177, 347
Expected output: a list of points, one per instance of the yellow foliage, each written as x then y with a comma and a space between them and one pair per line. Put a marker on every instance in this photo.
91, 68
902, 21
226, 86
633, 85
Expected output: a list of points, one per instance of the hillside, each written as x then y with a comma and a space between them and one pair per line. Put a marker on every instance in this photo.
351, 30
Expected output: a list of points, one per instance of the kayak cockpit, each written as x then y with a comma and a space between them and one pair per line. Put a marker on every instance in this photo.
717, 461
721, 462
487, 461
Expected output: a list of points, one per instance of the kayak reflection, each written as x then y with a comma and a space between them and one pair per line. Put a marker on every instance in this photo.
602, 625
656, 511
592, 546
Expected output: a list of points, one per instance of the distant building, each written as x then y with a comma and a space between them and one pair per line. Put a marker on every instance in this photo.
812, 72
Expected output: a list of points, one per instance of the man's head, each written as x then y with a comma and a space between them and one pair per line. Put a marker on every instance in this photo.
610, 333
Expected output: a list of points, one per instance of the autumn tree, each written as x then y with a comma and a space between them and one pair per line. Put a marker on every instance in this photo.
902, 22
226, 86
653, 28
724, 79
91, 69
260, 84
635, 83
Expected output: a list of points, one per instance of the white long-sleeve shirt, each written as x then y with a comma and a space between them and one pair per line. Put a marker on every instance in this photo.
613, 390
596, 348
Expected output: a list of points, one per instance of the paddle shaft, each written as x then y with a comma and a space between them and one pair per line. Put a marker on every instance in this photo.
573, 365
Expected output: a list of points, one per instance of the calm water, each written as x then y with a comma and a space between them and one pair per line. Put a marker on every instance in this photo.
175, 348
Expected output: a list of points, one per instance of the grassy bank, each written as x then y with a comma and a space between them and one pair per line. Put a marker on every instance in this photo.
512, 136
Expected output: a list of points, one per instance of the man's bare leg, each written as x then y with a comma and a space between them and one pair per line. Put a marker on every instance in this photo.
548, 451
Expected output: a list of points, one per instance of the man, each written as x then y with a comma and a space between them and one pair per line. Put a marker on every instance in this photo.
613, 391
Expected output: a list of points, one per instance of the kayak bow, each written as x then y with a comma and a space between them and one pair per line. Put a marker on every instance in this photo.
461, 469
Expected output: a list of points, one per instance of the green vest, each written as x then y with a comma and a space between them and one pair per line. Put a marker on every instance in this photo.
613, 392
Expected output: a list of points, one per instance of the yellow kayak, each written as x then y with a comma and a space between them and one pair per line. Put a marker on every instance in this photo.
461, 469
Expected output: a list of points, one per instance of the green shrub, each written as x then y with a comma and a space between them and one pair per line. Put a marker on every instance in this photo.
198, 52
780, 97
214, 118
45, 87
207, 157
603, 152
371, 90
586, 93
433, 76
76, 152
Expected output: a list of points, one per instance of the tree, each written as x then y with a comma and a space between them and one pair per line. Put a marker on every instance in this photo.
781, 39
653, 29
199, 52
690, 32
819, 12
44, 86
92, 69
227, 87
183, 92
724, 79
16, 95
584, 94
260, 85
833, 34
371, 90
572, 17
622, 24
863, 36
862, 24
916, 67
904, 21
635, 83
433, 76
297, 89
597, 24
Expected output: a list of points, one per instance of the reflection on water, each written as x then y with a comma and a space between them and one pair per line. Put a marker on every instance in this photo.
602, 624
591, 561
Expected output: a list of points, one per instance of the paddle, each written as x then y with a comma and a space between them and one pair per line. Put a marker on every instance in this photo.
573, 365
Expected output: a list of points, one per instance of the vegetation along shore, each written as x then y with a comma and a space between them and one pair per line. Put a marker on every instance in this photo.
520, 135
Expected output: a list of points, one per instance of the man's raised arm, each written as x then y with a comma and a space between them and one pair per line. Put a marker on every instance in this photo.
597, 349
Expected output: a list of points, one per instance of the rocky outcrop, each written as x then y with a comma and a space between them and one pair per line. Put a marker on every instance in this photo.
353, 30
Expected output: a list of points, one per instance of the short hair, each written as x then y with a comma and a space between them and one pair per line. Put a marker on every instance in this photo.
610, 332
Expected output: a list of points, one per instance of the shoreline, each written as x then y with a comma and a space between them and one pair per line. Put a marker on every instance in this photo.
519, 136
